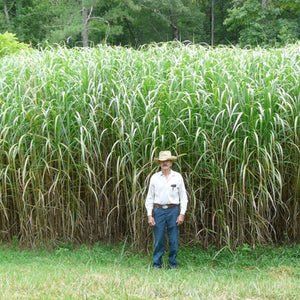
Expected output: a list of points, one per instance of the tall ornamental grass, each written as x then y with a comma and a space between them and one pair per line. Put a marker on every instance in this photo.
79, 130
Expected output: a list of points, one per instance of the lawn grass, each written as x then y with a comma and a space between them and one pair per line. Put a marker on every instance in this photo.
105, 272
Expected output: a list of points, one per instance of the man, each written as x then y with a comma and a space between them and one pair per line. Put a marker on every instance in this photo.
167, 198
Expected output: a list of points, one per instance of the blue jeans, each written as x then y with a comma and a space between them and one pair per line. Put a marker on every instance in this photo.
165, 218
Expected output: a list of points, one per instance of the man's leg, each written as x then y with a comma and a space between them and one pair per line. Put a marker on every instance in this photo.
173, 232
159, 236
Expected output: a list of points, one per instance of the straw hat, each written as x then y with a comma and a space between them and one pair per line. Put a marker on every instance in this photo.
164, 156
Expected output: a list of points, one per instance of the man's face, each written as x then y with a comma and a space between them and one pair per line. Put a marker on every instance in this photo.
165, 165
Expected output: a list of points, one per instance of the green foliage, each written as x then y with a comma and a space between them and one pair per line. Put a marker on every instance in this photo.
139, 22
157, 21
10, 45
80, 129
288, 31
114, 22
257, 25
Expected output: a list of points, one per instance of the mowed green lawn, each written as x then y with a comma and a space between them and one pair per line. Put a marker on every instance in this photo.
105, 272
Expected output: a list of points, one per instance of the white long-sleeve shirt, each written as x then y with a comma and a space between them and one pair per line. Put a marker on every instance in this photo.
164, 191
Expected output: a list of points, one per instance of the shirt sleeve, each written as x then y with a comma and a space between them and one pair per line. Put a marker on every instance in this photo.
183, 197
150, 198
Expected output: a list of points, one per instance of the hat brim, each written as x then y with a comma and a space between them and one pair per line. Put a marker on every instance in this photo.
171, 158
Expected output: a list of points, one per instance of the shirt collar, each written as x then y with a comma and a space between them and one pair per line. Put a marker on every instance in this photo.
171, 173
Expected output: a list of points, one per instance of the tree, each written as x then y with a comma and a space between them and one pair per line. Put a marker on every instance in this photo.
164, 20
6, 14
69, 22
12, 13
261, 22
212, 21
117, 19
85, 21
215, 13
136, 22
93, 21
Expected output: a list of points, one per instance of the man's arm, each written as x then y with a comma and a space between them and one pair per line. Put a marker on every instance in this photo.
149, 203
151, 221
183, 202
183, 197
180, 220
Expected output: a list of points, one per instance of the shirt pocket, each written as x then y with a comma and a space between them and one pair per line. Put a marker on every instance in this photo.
174, 191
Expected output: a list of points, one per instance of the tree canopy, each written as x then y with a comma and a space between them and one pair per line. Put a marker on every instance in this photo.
138, 22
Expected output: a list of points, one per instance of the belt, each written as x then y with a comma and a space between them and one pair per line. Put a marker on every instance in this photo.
165, 206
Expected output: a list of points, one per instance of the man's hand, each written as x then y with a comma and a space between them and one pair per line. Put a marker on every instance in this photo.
151, 221
180, 220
